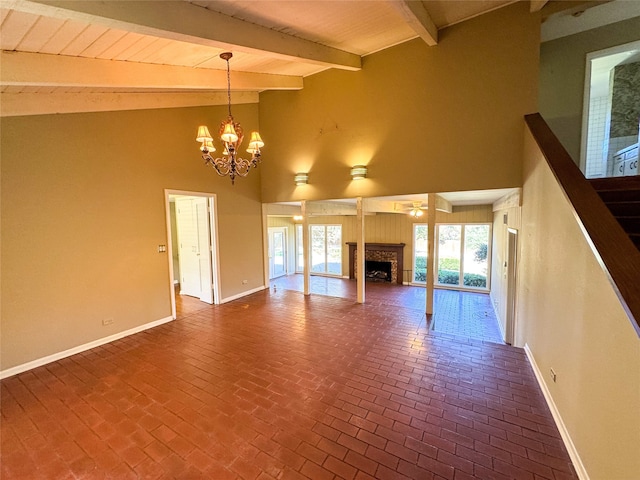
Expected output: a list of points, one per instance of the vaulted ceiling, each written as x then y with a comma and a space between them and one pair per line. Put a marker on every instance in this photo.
112, 55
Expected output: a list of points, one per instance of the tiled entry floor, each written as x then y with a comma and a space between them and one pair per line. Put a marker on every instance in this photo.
282, 386
468, 314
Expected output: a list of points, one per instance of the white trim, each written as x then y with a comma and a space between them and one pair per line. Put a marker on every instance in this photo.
564, 433
243, 294
80, 348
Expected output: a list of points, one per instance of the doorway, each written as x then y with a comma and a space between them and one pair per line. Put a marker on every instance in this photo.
192, 234
277, 252
609, 146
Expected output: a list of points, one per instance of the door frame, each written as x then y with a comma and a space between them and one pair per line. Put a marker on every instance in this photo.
212, 203
512, 277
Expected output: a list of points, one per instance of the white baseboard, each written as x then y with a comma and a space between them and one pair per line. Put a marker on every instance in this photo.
80, 348
243, 294
564, 433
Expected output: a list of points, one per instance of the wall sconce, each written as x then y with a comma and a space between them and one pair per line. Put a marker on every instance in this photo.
301, 178
359, 172
297, 218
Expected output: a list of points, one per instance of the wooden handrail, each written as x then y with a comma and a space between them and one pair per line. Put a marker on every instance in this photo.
612, 247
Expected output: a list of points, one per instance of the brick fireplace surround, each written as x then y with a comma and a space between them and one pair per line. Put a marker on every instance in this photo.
379, 252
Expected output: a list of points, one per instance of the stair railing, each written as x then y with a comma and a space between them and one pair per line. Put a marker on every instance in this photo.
618, 256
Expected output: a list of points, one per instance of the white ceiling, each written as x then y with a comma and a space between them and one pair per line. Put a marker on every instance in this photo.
64, 56
79, 51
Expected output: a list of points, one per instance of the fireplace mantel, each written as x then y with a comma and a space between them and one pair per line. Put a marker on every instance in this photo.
397, 248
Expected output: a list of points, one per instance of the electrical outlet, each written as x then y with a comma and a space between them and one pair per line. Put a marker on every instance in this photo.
107, 321
244, 282
553, 375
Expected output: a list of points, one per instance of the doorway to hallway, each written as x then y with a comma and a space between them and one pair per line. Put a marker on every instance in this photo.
192, 235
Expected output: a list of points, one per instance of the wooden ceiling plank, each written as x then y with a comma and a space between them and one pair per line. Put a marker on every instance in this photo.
145, 48
84, 40
4, 12
179, 20
120, 46
141, 42
21, 104
63, 37
44, 29
185, 54
102, 43
417, 16
15, 27
21, 68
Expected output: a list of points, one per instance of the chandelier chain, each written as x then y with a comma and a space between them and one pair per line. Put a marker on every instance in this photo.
228, 87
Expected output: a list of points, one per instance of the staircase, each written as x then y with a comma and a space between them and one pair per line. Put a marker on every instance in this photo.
622, 196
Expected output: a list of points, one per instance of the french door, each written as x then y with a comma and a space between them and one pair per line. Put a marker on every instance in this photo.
326, 249
277, 252
463, 255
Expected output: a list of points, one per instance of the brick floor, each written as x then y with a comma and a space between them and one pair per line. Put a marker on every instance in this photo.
282, 386
464, 313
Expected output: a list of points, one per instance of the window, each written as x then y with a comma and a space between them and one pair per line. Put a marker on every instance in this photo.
463, 255
326, 249
420, 250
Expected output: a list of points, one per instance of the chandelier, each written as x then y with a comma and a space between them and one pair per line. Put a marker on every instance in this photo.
231, 134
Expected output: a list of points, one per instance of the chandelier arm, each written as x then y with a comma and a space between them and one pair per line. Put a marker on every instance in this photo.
242, 166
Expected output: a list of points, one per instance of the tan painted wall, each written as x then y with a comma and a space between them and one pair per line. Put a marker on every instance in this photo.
424, 119
562, 71
83, 214
572, 321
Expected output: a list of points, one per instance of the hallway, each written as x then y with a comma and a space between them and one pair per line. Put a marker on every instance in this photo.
282, 386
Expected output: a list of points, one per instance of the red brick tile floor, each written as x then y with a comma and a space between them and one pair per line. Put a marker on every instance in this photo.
283, 386
468, 314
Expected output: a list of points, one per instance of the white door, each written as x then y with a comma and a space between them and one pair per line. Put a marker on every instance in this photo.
203, 218
193, 221
277, 252
188, 249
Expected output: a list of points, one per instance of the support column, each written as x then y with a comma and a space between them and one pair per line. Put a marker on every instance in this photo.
265, 245
306, 272
431, 244
360, 247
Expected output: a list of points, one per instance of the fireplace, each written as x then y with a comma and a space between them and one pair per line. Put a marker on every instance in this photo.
388, 253
375, 271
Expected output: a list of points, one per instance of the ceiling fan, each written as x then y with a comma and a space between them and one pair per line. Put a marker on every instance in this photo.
415, 209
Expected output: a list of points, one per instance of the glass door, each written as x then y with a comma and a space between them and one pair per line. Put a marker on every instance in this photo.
449, 237
277, 252
463, 255
326, 249
476, 255
420, 250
